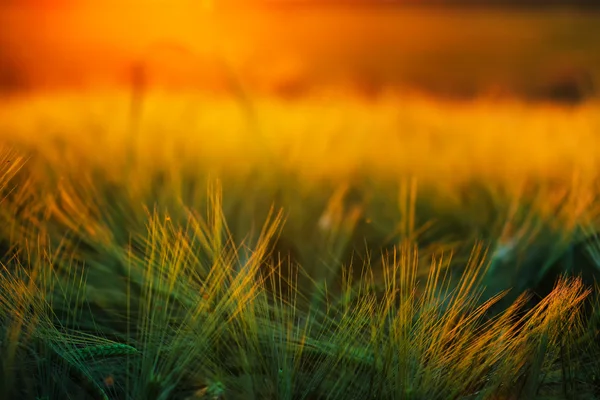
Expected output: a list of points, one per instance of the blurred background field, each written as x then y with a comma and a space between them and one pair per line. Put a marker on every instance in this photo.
371, 128
368, 174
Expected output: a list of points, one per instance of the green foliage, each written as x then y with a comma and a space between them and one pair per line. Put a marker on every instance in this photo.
144, 291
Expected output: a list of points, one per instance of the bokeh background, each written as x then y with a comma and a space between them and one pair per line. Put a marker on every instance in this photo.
469, 129
457, 49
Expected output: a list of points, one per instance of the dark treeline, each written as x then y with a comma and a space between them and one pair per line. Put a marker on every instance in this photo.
517, 4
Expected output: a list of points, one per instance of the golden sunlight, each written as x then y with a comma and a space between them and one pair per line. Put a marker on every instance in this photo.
335, 199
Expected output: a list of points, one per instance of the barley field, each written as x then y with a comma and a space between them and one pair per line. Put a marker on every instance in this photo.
164, 241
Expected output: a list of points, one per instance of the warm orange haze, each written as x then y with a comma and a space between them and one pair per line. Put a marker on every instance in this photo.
203, 200
190, 44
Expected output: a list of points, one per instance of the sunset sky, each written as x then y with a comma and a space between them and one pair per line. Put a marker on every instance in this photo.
188, 42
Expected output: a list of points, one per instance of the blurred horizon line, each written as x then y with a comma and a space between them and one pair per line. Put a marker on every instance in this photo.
508, 5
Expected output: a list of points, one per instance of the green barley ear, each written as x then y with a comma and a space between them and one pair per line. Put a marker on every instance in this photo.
90, 353
104, 351
75, 361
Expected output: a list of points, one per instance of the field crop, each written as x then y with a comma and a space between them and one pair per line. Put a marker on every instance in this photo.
327, 247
